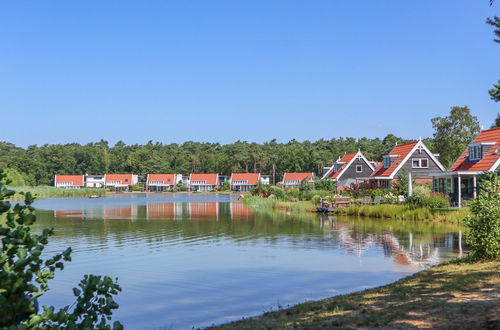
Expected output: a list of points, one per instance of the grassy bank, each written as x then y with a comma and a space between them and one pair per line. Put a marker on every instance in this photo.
385, 211
456, 295
257, 203
405, 212
48, 191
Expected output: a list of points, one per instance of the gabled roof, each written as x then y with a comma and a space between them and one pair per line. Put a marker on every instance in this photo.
297, 176
489, 162
210, 178
164, 178
251, 178
400, 154
346, 161
123, 178
76, 180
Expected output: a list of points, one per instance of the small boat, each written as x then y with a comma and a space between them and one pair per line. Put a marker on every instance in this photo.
94, 196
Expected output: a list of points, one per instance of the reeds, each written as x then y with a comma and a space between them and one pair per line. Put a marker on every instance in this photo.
48, 191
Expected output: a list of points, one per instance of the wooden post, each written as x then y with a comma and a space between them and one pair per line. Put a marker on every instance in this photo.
459, 192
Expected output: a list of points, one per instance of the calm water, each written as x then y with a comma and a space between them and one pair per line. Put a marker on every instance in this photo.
195, 260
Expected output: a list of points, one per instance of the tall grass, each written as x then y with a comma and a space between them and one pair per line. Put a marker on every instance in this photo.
257, 203
404, 212
48, 191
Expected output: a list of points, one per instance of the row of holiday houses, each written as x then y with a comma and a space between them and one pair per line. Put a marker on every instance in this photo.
353, 169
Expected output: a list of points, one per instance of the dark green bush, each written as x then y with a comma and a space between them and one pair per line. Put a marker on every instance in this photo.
24, 277
484, 225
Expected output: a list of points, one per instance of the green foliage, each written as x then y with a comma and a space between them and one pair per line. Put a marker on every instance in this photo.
495, 92
401, 184
453, 133
226, 186
497, 122
47, 191
293, 193
484, 225
325, 184
137, 187
424, 197
24, 277
16, 178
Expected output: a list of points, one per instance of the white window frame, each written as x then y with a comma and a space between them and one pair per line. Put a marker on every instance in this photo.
475, 152
419, 160
360, 166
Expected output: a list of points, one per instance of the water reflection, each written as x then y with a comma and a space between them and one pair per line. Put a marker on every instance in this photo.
195, 260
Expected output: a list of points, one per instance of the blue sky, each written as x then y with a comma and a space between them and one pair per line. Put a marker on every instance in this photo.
221, 71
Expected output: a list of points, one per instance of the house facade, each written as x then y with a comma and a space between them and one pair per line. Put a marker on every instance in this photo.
352, 168
415, 157
460, 182
294, 179
203, 182
94, 181
120, 182
244, 181
162, 182
69, 181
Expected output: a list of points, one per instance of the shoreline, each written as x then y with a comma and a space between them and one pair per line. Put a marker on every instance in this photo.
455, 294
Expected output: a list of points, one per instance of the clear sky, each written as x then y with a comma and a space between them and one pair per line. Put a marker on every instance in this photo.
221, 71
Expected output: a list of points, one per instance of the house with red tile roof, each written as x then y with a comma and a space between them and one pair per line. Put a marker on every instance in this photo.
69, 181
482, 155
120, 182
162, 182
244, 181
352, 168
294, 179
199, 182
414, 157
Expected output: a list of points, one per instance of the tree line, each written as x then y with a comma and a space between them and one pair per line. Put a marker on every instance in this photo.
37, 165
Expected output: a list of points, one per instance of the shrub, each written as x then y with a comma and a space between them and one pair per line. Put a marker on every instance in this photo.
423, 197
376, 192
484, 225
325, 184
24, 277
279, 193
292, 193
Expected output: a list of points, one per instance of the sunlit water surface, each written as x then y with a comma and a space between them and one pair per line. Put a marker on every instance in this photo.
187, 260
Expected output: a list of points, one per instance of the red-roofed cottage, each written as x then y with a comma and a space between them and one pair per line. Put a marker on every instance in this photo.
293, 180
349, 169
162, 182
69, 181
413, 156
244, 181
203, 182
120, 182
482, 155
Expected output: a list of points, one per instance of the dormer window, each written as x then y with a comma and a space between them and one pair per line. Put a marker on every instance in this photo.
389, 159
475, 152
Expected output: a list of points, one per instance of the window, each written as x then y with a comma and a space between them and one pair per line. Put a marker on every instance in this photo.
359, 168
475, 152
420, 163
387, 161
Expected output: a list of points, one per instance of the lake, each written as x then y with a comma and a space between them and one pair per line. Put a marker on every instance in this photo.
193, 260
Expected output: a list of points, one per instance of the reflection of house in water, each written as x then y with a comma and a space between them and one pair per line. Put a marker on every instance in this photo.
420, 254
203, 210
73, 214
161, 210
127, 212
240, 212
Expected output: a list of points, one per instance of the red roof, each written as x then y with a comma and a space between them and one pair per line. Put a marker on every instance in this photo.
401, 151
488, 160
164, 178
123, 178
345, 159
210, 178
297, 176
76, 180
250, 178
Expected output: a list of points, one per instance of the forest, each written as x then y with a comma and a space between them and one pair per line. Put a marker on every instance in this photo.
37, 165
